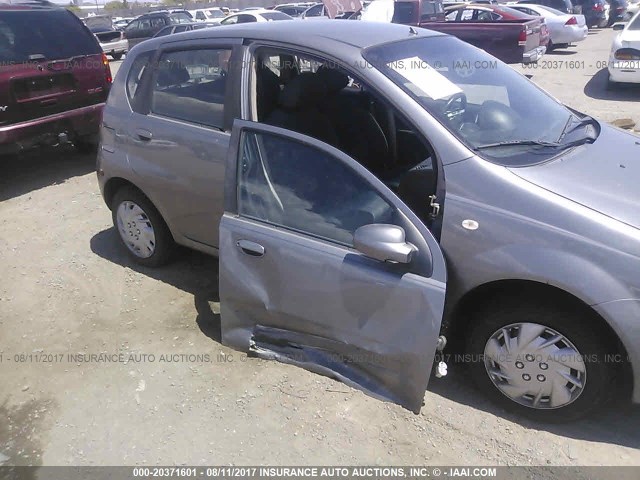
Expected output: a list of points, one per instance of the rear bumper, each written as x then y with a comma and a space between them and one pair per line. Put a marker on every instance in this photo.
625, 71
571, 35
121, 46
534, 55
78, 122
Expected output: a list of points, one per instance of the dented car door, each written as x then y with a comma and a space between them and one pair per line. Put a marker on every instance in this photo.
322, 266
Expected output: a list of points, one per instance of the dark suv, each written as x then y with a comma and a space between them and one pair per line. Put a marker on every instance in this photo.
54, 78
594, 12
146, 26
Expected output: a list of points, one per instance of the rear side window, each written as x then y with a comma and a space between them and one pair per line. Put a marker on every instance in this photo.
191, 85
43, 35
134, 78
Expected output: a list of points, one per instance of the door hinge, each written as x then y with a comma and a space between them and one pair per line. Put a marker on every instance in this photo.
433, 206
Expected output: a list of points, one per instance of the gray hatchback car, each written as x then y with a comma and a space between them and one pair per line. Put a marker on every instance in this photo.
374, 189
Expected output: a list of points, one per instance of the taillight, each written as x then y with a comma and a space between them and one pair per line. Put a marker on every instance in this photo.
627, 54
107, 68
572, 21
598, 7
522, 38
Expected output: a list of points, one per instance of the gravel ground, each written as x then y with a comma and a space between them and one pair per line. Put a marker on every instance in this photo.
166, 392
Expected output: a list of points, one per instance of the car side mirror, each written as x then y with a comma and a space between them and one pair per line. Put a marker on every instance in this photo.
618, 26
384, 242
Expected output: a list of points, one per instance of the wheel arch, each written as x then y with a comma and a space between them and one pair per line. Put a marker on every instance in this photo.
459, 316
114, 184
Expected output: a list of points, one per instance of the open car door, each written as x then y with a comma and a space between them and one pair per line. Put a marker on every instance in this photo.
322, 266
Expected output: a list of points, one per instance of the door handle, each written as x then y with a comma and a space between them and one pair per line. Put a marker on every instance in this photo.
144, 135
250, 248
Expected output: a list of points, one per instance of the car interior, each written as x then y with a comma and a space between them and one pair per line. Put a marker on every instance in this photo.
321, 100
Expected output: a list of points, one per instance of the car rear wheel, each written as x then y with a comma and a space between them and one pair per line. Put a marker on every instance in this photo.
116, 56
141, 228
543, 361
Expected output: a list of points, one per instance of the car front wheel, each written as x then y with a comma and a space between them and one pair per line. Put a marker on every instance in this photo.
546, 362
140, 228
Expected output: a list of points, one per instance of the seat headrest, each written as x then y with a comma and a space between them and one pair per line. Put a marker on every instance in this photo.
172, 74
333, 78
303, 91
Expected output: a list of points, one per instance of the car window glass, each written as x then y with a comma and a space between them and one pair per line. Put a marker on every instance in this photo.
164, 31
467, 15
200, 16
43, 35
302, 188
134, 77
190, 85
246, 18
451, 16
230, 20
180, 28
135, 25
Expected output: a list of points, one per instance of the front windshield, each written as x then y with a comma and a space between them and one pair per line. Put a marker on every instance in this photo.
489, 106
635, 25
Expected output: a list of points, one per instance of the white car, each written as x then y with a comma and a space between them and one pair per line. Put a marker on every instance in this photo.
633, 6
624, 59
209, 15
249, 16
564, 28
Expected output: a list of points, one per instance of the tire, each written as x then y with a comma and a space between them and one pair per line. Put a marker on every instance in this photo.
550, 46
130, 204
116, 56
540, 372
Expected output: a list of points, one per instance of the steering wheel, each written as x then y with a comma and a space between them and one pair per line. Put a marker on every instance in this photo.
451, 112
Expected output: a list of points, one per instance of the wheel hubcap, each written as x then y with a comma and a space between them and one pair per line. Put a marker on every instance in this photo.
135, 229
535, 366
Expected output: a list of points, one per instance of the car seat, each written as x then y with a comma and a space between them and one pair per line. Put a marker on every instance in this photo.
359, 133
298, 110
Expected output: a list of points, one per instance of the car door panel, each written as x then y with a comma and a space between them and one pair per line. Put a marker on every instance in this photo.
326, 307
183, 162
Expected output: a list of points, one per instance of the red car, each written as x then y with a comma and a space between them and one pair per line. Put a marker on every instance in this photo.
54, 78
505, 33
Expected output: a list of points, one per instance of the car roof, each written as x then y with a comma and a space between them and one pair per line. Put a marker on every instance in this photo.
311, 33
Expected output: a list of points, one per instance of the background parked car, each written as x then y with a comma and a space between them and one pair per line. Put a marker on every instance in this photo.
213, 15
147, 25
563, 5
54, 78
121, 23
184, 27
112, 41
594, 12
292, 9
617, 11
633, 6
251, 16
624, 59
564, 28
507, 34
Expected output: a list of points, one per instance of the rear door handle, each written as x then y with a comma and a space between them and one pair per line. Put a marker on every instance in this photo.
250, 248
144, 135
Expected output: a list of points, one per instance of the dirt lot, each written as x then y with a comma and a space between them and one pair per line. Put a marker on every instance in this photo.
181, 397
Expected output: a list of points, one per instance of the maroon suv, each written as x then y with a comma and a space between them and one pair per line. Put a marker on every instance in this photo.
54, 78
